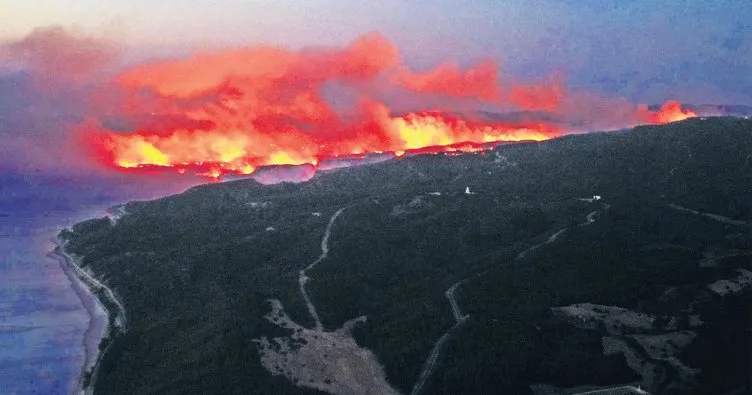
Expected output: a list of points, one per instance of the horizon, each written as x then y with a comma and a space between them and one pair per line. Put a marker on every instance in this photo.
482, 172
73, 76
703, 54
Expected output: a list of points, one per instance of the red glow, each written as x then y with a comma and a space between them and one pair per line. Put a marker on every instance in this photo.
671, 111
234, 112
545, 96
217, 151
478, 82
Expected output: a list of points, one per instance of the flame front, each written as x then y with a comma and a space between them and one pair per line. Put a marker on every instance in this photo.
244, 151
239, 110
671, 111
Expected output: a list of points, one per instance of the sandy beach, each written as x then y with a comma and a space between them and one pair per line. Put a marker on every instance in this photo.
50, 323
98, 316
87, 287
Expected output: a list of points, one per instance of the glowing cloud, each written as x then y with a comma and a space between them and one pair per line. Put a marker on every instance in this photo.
479, 81
236, 111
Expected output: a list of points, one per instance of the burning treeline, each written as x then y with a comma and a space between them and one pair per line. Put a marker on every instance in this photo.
238, 110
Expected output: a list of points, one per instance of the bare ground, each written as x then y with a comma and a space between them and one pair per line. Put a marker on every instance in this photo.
316, 358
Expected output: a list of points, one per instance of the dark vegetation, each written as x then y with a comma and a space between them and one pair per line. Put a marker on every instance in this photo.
194, 270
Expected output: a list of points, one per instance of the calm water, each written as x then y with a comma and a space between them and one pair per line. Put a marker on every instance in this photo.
42, 320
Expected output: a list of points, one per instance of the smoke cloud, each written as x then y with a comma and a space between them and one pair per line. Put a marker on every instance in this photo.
57, 54
479, 82
239, 110
46, 84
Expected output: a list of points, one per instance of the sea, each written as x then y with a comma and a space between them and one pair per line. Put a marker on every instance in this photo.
42, 319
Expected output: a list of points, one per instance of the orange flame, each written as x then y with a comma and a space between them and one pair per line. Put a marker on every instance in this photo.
234, 112
671, 111
237, 151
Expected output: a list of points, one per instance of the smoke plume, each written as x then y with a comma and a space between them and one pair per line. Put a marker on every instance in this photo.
237, 111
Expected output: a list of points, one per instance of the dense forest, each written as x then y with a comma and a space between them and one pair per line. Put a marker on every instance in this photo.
639, 223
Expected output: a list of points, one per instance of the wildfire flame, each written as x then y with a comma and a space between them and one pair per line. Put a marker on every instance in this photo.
221, 151
670, 111
236, 111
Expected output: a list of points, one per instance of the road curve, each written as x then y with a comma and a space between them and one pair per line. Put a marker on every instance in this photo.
430, 364
93, 284
589, 219
456, 311
716, 217
303, 278
120, 318
550, 240
115, 213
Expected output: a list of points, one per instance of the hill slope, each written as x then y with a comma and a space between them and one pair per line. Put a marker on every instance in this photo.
480, 273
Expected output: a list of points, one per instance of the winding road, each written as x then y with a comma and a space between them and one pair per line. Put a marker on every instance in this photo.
550, 240
303, 278
458, 316
589, 219
716, 217
115, 213
430, 365
95, 285
433, 357
120, 318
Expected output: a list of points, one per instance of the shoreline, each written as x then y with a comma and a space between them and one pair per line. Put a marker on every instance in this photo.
99, 317
106, 323
114, 213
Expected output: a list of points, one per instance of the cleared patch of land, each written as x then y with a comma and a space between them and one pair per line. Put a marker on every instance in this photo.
328, 361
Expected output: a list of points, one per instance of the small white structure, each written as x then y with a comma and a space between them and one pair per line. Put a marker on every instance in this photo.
467, 191
590, 200
270, 229
316, 214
